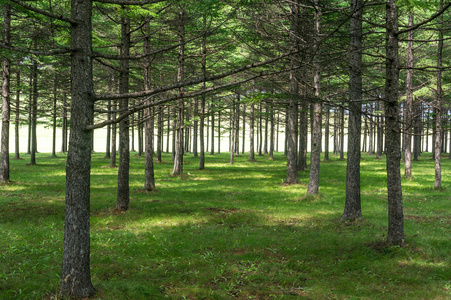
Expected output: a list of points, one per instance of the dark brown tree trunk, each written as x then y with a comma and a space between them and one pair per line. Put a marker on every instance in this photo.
260, 130
353, 210
113, 137
409, 101
54, 118
265, 147
303, 133
371, 132
195, 127
243, 143
291, 115
202, 104
315, 154
64, 130
212, 147
34, 111
178, 158
438, 108
123, 186
251, 126
149, 175
392, 128
6, 106
326, 134
160, 133
342, 131
108, 132
336, 131
417, 130
271, 134
201, 132
76, 276
219, 131
237, 124
17, 119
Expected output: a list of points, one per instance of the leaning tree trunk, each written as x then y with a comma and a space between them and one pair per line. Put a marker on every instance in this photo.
395, 206
353, 210
76, 276
4, 155
409, 101
315, 154
123, 187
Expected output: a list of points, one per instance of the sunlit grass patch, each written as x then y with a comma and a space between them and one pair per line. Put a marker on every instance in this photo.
229, 231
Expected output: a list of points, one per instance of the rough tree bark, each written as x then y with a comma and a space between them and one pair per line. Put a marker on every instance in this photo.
291, 115
392, 129
315, 154
438, 107
149, 175
76, 276
409, 101
178, 158
123, 180
353, 210
4, 155
17, 119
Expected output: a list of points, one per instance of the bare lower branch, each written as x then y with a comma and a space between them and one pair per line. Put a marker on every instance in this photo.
44, 53
192, 82
44, 12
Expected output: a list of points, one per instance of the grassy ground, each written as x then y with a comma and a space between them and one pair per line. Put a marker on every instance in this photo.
229, 232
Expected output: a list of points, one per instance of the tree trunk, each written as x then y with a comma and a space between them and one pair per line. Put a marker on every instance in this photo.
392, 128
195, 127
17, 120
123, 186
108, 133
326, 134
237, 124
303, 136
251, 132
34, 111
417, 130
219, 131
291, 115
160, 133
271, 139
76, 276
260, 130
6, 106
212, 147
178, 159
265, 147
438, 108
243, 144
353, 210
54, 118
342, 132
149, 176
113, 137
409, 101
315, 154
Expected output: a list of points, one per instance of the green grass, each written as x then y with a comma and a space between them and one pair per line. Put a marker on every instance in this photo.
229, 232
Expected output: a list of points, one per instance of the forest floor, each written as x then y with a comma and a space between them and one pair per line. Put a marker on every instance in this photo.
229, 232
